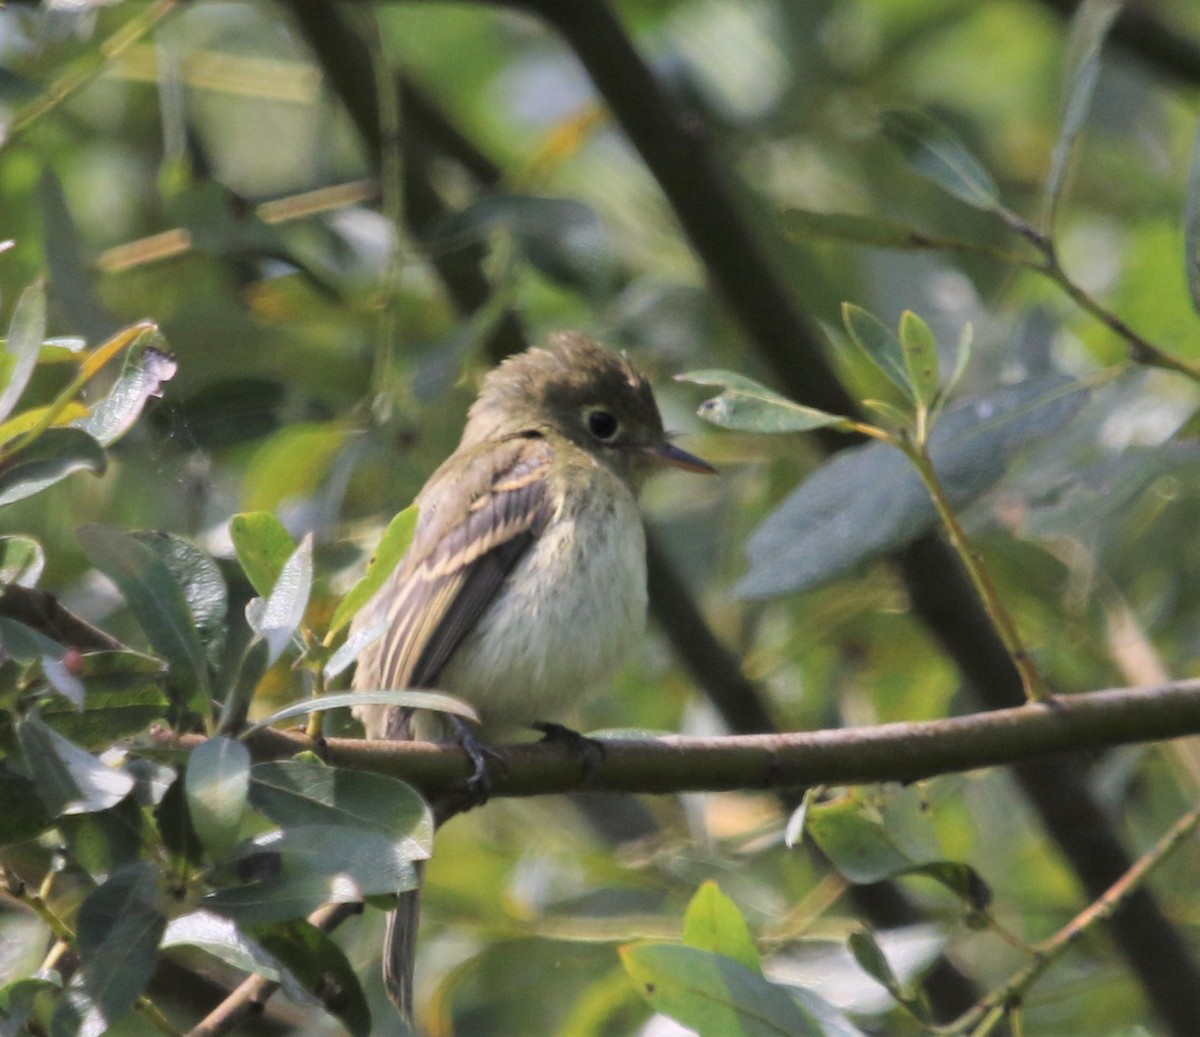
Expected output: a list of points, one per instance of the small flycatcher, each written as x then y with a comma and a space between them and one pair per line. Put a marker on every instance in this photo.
526, 579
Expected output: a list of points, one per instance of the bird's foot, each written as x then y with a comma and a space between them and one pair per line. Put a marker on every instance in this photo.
589, 751
483, 758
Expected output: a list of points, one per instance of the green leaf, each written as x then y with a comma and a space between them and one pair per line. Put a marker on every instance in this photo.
55, 454
22, 815
870, 500
1089, 27
794, 830
26, 644
750, 407
873, 962
108, 714
253, 667
217, 782
21, 561
26, 331
1191, 225
174, 824
290, 464
872, 231
159, 605
714, 995
221, 938
880, 344
119, 927
69, 779
392, 547
408, 699
352, 647
962, 358
263, 546
920, 357
934, 152
294, 792
202, 584
289, 873
321, 968
867, 844
144, 371
284, 609
714, 923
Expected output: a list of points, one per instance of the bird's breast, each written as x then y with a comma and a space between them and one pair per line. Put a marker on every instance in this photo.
566, 617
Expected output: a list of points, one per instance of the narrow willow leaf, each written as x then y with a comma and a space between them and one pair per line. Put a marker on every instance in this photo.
1191, 225
407, 699
880, 344
749, 407
344, 657
794, 831
26, 331
263, 546
1089, 27
253, 667
920, 357
934, 152
872, 231
392, 547
55, 454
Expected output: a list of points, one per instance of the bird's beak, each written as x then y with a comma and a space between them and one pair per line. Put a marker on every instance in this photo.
670, 454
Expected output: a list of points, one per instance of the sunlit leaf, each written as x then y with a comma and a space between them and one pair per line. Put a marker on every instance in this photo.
714, 923
920, 357
339, 700
392, 547
290, 464
26, 331
714, 995
217, 782
49, 459
880, 343
263, 546
933, 151
69, 779
142, 377
281, 613
745, 405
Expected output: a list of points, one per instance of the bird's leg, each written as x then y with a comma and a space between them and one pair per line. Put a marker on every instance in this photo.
479, 784
589, 751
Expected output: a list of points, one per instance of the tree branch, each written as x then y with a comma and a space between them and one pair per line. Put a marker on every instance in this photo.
902, 752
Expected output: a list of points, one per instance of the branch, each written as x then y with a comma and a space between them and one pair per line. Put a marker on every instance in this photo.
902, 752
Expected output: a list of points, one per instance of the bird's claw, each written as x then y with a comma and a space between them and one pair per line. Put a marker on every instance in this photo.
589, 751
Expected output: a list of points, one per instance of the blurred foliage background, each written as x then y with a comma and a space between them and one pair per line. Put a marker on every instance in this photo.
336, 242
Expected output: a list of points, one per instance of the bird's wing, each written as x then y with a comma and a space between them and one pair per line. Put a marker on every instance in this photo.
470, 533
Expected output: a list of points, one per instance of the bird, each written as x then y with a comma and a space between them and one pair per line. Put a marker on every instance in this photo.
525, 582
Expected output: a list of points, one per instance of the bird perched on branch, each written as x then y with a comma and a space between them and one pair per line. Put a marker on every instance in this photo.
526, 578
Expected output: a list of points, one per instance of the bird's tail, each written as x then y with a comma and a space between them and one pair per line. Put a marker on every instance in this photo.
400, 948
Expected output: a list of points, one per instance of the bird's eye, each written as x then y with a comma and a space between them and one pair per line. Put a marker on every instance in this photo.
602, 425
